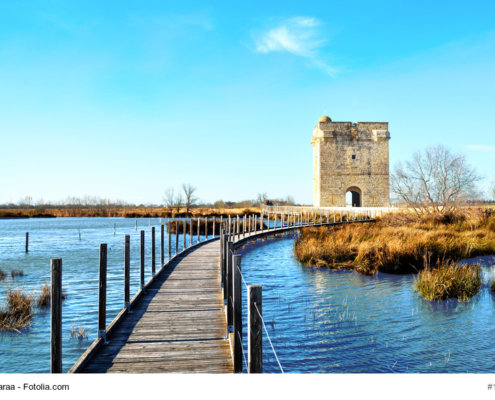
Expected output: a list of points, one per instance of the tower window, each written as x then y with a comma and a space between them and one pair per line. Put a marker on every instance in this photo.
353, 156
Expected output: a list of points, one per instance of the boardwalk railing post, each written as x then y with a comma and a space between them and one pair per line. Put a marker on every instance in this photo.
27, 242
224, 266
230, 257
56, 315
184, 227
162, 245
237, 314
169, 240
191, 232
198, 230
214, 220
141, 254
102, 293
222, 256
127, 270
153, 253
238, 228
206, 228
255, 312
176, 236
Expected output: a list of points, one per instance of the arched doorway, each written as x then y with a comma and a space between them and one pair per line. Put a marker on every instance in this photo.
353, 197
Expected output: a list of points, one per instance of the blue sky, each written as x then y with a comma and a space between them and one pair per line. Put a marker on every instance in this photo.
122, 99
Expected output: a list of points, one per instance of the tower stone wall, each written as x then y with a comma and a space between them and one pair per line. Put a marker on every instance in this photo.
350, 157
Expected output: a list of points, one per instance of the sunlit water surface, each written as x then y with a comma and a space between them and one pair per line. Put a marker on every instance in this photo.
327, 321
318, 320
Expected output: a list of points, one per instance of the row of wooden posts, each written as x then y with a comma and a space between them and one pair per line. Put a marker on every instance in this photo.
230, 231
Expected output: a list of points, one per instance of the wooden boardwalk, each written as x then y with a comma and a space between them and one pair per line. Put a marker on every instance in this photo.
178, 325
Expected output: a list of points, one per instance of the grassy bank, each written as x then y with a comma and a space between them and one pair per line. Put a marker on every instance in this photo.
124, 212
398, 243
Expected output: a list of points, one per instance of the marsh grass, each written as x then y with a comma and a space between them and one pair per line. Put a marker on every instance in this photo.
18, 314
80, 333
398, 242
449, 280
44, 296
15, 273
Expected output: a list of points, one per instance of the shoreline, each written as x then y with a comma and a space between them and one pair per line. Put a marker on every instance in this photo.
131, 212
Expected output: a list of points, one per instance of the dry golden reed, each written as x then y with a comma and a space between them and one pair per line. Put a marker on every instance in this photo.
397, 243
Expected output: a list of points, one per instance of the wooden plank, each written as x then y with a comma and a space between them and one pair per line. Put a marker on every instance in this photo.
178, 325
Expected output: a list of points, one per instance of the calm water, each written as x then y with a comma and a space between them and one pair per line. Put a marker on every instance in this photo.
29, 351
327, 321
319, 320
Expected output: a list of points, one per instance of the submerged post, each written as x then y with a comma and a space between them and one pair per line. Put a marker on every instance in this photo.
255, 343
127, 270
237, 314
153, 253
27, 242
141, 254
56, 315
102, 293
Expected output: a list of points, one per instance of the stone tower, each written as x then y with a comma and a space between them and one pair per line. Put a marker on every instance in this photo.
350, 157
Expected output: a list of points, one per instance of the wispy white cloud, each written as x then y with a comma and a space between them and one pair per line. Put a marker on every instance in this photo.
488, 148
299, 36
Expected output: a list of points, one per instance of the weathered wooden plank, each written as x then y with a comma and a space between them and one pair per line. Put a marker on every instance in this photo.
178, 325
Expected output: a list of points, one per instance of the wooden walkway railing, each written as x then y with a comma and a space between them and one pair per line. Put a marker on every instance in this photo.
188, 316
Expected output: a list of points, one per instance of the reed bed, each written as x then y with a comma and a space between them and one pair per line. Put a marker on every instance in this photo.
448, 280
397, 243
125, 212
18, 314
15, 273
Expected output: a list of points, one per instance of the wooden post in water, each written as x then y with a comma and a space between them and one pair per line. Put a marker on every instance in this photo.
102, 293
169, 240
141, 254
56, 316
127, 270
176, 236
214, 221
255, 343
230, 257
184, 227
153, 253
27, 242
237, 284
206, 228
162, 245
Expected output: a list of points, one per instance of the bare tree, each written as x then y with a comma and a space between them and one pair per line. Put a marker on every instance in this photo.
434, 181
189, 191
261, 198
169, 197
